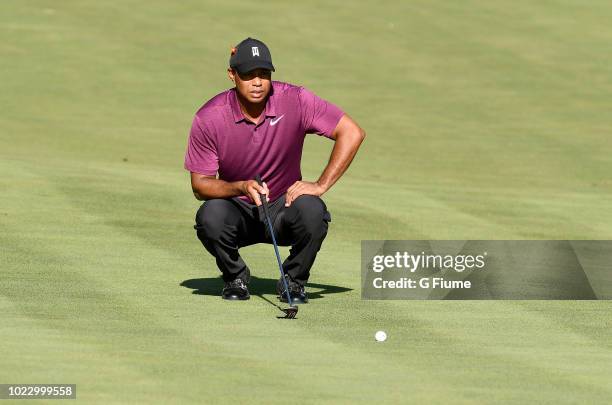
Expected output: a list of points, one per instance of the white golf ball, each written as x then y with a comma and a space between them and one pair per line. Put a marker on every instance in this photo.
380, 336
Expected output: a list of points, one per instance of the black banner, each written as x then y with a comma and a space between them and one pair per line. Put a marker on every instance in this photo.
482, 270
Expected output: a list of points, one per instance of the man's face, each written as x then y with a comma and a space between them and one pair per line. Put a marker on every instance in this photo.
254, 86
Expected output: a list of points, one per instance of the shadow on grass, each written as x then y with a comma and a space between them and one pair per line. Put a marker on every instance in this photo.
258, 286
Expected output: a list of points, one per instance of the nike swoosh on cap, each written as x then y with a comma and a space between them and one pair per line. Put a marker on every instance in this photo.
275, 120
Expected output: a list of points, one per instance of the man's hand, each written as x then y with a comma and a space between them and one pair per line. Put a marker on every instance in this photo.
251, 189
303, 187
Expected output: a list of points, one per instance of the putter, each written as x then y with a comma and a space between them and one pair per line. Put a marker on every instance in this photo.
290, 312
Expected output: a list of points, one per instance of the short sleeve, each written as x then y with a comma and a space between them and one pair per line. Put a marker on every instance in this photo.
318, 116
201, 156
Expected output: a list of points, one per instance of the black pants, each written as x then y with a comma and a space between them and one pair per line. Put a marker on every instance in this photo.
225, 225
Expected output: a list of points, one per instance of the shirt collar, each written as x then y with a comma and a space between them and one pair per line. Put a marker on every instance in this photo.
269, 110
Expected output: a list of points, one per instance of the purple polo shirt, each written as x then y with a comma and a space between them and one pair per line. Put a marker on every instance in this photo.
222, 140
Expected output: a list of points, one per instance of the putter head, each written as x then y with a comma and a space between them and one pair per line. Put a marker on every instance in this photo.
290, 313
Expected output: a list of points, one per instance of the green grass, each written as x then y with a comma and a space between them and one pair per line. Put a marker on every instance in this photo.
485, 120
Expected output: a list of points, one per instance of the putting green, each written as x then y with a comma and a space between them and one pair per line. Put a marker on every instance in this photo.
485, 120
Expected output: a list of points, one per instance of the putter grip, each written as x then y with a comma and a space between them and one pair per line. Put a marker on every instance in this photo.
262, 197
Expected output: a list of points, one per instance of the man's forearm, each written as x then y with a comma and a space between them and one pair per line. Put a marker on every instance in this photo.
207, 189
348, 136
342, 155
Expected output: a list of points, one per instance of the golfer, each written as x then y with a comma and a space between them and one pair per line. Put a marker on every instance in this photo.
258, 127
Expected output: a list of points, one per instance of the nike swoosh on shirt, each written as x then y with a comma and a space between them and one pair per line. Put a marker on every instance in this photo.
275, 120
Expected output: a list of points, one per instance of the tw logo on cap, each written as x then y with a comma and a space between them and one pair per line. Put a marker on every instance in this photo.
255, 51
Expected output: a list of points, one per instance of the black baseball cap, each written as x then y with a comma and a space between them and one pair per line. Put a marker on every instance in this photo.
249, 55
